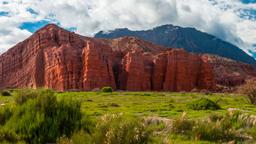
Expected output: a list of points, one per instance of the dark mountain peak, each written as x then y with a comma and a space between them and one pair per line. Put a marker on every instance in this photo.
167, 27
188, 38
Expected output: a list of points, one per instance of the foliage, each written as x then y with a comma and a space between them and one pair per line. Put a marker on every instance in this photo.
6, 93
25, 94
213, 131
81, 137
8, 136
138, 108
216, 128
204, 104
44, 119
5, 114
182, 125
107, 89
249, 89
118, 129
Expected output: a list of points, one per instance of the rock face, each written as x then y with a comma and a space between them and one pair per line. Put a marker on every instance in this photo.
58, 59
229, 73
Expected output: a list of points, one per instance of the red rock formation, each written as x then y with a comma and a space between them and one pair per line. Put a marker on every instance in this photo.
61, 60
97, 64
229, 73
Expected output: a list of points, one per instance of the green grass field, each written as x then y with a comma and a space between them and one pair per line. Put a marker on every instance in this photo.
168, 105
148, 104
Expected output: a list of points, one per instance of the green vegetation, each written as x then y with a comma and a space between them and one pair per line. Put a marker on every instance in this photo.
5, 93
107, 89
249, 89
203, 104
44, 116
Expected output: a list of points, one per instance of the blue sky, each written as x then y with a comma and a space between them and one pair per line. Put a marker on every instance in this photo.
34, 26
248, 1
230, 20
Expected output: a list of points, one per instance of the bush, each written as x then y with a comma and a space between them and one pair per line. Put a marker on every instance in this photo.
117, 129
23, 95
213, 131
81, 137
107, 89
5, 115
216, 128
43, 119
249, 89
203, 104
182, 125
6, 93
8, 136
252, 132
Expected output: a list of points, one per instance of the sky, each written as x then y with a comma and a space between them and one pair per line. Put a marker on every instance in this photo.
231, 20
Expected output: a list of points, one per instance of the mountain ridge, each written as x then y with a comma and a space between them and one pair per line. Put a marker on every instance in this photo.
188, 38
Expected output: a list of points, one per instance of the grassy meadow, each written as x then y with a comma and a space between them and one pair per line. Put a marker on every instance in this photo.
126, 117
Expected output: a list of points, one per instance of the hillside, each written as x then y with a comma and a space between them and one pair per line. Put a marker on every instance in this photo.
190, 39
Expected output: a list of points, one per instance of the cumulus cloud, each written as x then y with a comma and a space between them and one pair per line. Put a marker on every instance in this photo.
230, 20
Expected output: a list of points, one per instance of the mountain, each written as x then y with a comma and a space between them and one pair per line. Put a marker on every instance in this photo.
190, 39
58, 59
228, 73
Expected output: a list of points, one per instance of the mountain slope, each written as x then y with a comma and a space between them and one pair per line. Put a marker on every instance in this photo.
190, 39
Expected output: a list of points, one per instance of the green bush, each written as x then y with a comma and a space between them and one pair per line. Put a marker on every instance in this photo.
203, 104
43, 119
22, 96
111, 129
249, 89
116, 129
182, 125
6, 93
8, 136
64, 140
213, 131
216, 128
5, 115
81, 137
252, 132
107, 89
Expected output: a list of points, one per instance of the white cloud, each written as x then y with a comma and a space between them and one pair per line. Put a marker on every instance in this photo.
218, 17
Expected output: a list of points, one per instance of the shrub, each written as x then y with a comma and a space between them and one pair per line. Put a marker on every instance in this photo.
64, 140
43, 119
249, 89
81, 137
107, 89
203, 104
8, 136
117, 129
213, 131
5, 114
252, 132
215, 128
6, 93
23, 95
182, 125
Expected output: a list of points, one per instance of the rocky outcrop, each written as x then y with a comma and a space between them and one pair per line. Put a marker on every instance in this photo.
97, 67
57, 59
229, 73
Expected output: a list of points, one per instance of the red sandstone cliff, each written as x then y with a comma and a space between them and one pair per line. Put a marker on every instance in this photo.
61, 60
229, 73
